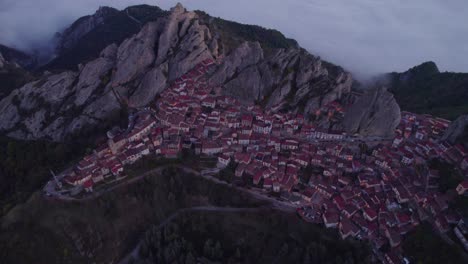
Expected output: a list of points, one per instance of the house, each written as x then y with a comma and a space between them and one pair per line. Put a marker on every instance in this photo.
240, 169
347, 229
331, 219
441, 224
242, 158
223, 160
211, 148
369, 214
117, 143
393, 237
88, 185
244, 139
393, 258
267, 184
209, 102
462, 188
141, 129
246, 120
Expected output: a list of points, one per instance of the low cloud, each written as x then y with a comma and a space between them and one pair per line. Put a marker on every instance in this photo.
364, 36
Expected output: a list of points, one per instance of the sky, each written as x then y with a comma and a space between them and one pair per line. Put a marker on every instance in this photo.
364, 36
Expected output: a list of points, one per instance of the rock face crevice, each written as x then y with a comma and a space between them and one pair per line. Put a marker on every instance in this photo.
133, 73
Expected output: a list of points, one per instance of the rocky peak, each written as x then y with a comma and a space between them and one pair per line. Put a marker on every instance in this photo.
178, 9
81, 27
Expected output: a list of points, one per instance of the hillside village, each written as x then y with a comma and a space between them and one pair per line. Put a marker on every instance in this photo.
370, 193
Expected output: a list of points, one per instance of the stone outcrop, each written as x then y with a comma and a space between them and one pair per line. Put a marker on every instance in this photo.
289, 79
134, 72
375, 113
457, 132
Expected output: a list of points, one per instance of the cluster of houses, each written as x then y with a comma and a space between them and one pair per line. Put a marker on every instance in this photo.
367, 194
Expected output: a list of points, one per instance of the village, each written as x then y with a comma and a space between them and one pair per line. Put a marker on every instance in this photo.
368, 189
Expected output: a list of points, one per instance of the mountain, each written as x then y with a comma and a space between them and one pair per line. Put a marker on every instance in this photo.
424, 89
257, 65
21, 58
375, 113
89, 35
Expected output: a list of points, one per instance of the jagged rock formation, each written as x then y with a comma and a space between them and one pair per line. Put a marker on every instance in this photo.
276, 74
457, 132
288, 79
62, 104
375, 113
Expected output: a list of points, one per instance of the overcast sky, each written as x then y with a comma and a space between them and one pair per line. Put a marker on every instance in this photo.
364, 36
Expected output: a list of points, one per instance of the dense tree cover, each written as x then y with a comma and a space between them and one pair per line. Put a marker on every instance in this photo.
424, 246
122, 215
25, 165
449, 178
253, 237
423, 89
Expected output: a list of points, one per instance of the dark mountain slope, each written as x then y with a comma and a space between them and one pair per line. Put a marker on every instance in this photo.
23, 59
12, 73
424, 89
100, 30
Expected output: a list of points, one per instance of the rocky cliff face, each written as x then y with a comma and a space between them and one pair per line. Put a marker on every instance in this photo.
375, 113
287, 79
60, 105
282, 78
457, 132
